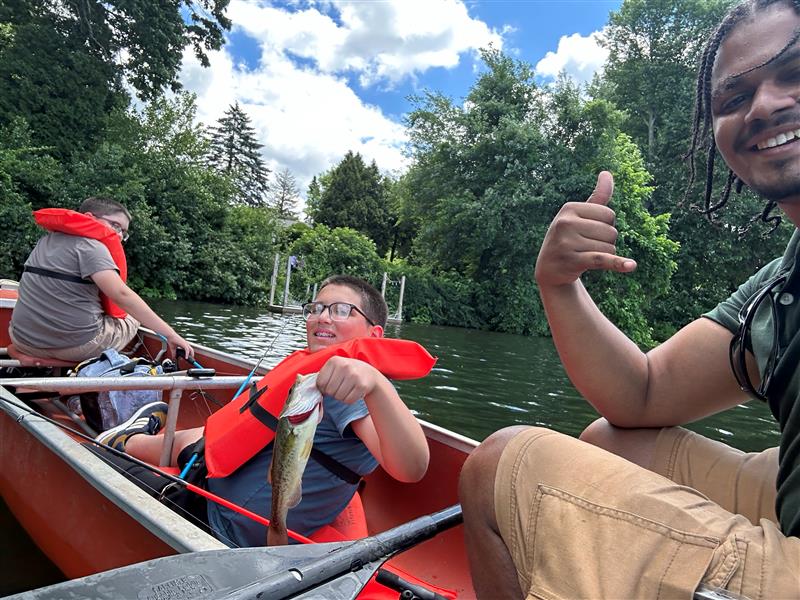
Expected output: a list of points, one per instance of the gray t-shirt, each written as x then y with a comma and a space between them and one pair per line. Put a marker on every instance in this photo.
52, 313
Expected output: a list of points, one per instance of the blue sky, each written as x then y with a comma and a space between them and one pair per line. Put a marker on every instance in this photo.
319, 78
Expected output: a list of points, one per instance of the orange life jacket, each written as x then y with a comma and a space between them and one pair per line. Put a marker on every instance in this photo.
240, 429
74, 223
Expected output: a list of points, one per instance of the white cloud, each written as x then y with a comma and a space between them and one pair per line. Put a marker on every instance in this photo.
306, 121
298, 96
579, 56
381, 41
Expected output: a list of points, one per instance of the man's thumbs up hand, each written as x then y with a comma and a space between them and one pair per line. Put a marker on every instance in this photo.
582, 237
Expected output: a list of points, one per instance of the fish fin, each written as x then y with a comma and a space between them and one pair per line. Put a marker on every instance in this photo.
297, 495
303, 396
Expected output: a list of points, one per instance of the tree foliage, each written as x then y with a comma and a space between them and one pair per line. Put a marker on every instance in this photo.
63, 64
284, 194
354, 194
490, 175
235, 152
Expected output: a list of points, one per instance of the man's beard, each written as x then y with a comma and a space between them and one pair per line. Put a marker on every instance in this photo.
787, 185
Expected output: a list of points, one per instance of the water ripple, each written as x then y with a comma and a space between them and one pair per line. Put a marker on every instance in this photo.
481, 382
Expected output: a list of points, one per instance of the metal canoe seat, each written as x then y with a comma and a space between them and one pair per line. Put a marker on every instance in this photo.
25, 360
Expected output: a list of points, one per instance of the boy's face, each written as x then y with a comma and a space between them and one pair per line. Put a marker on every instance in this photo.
322, 331
118, 221
755, 89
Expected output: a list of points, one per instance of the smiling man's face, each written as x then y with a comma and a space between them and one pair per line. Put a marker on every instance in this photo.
755, 88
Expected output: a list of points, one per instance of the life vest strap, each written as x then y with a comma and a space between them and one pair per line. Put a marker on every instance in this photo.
331, 464
56, 275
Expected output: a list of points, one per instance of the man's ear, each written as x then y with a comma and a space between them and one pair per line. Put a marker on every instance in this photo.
377, 331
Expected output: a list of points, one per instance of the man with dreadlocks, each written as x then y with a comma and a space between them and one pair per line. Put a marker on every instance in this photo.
640, 507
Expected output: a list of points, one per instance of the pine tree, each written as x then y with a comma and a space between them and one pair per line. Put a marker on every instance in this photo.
235, 152
284, 194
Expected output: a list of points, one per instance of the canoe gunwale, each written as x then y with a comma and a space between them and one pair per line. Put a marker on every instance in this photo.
177, 533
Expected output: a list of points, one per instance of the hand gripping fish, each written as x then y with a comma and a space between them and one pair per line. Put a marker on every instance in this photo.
293, 441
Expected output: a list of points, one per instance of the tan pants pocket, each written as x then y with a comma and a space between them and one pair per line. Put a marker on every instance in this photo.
726, 570
580, 549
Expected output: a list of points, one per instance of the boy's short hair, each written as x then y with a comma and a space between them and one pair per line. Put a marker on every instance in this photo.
374, 304
102, 207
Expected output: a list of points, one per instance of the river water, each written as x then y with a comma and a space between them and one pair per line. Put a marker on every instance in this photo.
482, 381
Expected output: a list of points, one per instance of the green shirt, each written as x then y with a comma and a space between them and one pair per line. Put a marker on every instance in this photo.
784, 389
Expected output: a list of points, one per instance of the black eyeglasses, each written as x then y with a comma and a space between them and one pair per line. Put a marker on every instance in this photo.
117, 227
741, 340
339, 311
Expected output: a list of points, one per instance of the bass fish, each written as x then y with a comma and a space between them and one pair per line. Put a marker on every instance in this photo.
294, 438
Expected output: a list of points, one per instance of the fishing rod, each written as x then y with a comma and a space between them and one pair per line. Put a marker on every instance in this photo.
147, 466
263, 356
193, 458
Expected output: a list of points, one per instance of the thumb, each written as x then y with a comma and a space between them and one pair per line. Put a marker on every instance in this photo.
603, 190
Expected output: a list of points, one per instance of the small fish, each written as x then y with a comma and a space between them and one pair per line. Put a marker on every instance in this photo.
293, 441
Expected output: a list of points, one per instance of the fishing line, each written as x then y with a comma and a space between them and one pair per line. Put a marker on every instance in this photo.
263, 356
193, 458
189, 486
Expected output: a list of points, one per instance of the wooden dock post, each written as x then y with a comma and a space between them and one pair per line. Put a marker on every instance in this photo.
400, 302
274, 281
288, 276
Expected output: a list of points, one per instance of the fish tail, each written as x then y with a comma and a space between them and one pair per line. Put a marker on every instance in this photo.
277, 534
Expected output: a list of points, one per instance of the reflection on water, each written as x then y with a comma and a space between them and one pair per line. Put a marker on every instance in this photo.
482, 381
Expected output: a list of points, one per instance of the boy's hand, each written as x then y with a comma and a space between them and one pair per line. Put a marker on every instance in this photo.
582, 237
347, 379
175, 341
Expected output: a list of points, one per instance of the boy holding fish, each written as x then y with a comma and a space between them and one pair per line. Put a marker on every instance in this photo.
364, 423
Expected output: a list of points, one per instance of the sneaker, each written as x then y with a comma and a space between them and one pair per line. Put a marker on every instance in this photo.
148, 419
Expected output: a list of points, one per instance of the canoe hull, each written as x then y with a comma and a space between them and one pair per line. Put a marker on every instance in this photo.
86, 518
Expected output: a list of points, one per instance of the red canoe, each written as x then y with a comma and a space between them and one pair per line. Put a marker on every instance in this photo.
87, 518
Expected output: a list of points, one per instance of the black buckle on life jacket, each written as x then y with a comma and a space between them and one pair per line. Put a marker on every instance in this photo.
255, 394
267, 418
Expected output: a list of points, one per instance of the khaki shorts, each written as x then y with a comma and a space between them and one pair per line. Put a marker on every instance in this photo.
116, 333
580, 522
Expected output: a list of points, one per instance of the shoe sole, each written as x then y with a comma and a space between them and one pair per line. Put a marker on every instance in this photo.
110, 433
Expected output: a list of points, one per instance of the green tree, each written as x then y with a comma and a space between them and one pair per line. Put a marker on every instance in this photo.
51, 79
313, 196
62, 64
489, 176
29, 180
355, 195
284, 194
653, 50
235, 152
186, 239
325, 251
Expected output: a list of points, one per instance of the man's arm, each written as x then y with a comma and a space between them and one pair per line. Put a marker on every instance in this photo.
391, 433
110, 283
682, 380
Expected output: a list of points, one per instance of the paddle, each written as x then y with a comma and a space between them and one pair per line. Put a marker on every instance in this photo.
334, 570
